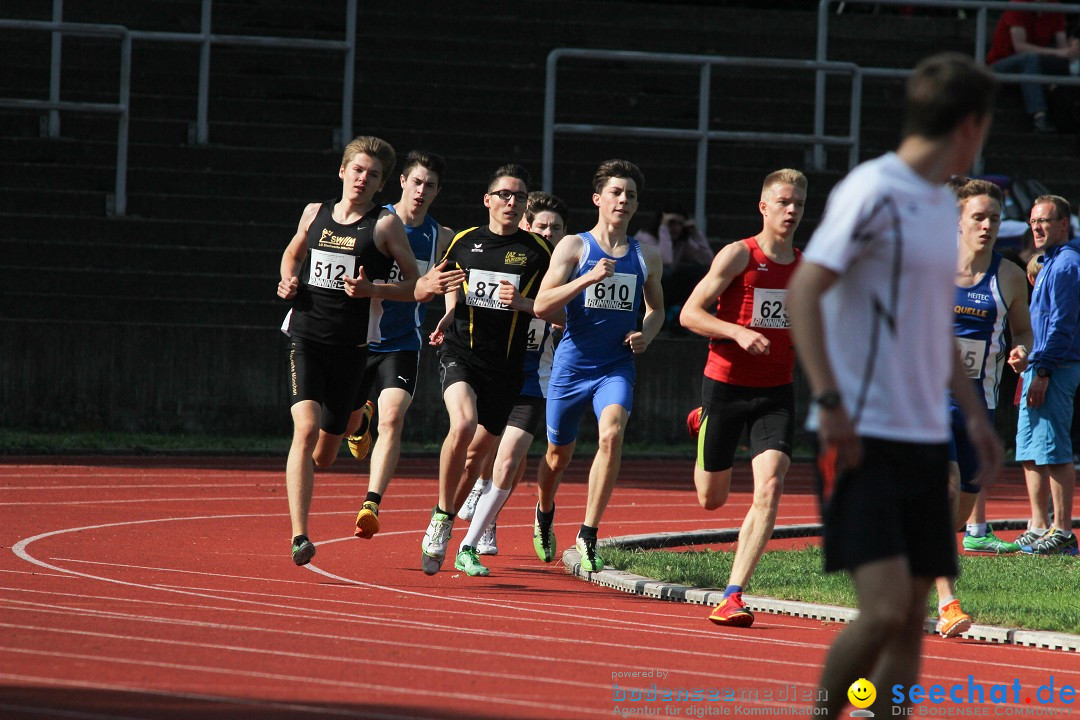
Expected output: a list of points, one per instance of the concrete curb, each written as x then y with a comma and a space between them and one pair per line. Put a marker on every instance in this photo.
649, 587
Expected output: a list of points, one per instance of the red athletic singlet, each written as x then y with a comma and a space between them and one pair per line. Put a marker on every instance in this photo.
757, 299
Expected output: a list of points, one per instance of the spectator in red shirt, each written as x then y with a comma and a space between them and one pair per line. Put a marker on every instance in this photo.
1034, 43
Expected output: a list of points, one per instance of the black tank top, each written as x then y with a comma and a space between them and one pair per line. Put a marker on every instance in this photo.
321, 310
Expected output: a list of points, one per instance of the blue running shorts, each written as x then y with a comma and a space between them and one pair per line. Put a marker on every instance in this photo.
569, 392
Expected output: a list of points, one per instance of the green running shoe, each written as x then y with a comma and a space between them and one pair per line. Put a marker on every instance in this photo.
302, 550
544, 540
590, 561
988, 543
469, 562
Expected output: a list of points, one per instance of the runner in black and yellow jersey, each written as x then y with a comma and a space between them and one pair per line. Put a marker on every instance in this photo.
483, 349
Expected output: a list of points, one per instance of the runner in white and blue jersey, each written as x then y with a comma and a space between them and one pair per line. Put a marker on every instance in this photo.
545, 215
601, 277
394, 337
991, 298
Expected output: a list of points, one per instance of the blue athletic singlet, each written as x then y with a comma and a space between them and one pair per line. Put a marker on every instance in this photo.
539, 351
395, 326
599, 319
979, 325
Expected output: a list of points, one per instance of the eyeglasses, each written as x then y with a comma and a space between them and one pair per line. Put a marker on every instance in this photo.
1042, 221
505, 195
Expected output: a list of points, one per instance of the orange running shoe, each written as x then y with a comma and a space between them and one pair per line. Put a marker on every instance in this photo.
360, 442
731, 612
953, 620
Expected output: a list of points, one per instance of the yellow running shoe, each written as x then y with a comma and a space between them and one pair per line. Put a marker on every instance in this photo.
367, 521
360, 443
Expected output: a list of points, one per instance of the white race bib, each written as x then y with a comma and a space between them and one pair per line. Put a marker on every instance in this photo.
535, 337
971, 352
395, 271
614, 293
327, 269
770, 309
484, 288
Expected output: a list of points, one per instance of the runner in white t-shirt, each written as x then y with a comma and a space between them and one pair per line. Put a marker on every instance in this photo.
870, 309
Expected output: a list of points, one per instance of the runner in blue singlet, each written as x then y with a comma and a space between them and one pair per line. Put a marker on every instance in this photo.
600, 277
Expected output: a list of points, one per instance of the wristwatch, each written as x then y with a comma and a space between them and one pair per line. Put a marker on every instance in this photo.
1042, 372
828, 400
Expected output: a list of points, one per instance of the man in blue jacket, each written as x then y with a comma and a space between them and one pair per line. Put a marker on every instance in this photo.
1043, 443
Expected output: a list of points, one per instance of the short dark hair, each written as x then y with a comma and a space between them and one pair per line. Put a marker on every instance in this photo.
431, 161
943, 90
617, 169
540, 201
510, 170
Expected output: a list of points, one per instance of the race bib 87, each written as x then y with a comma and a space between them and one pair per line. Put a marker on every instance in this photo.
483, 289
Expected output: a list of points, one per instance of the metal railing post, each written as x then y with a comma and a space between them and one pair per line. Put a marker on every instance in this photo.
980, 36
819, 158
202, 112
704, 89
547, 165
855, 118
119, 203
350, 74
53, 124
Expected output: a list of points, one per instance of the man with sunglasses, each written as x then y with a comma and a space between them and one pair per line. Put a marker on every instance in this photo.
1043, 443
481, 359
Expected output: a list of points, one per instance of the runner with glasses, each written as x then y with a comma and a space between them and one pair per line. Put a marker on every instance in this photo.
483, 337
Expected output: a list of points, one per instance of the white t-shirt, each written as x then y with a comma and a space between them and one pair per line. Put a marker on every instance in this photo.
891, 236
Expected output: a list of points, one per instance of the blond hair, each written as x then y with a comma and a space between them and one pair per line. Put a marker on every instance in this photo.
784, 176
372, 147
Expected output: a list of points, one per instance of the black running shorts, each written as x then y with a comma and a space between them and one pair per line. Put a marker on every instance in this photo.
528, 414
894, 504
494, 396
767, 414
397, 369
329, 375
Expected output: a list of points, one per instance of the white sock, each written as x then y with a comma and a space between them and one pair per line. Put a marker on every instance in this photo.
976, 529
487, 510
943, 602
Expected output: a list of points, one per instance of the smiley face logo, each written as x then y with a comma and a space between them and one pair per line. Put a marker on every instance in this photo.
862, 693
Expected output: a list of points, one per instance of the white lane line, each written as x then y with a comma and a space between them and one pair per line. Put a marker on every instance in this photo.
381, 662
626, 649
221, 671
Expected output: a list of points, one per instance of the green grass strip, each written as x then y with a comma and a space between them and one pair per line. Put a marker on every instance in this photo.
1015, 591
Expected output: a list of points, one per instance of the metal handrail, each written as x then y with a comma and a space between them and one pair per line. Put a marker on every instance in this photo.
702, 134
982, 6
118, 203
205, 38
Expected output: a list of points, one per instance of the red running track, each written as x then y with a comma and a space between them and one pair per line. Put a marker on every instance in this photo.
163, 588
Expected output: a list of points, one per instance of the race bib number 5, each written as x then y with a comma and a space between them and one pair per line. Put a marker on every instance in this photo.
483, 290
327, 269
770, 309
614, 293
972, 353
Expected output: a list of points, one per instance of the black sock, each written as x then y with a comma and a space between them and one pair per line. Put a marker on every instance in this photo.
586, 532
373, 497
447, 514
545, 518
299, 539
